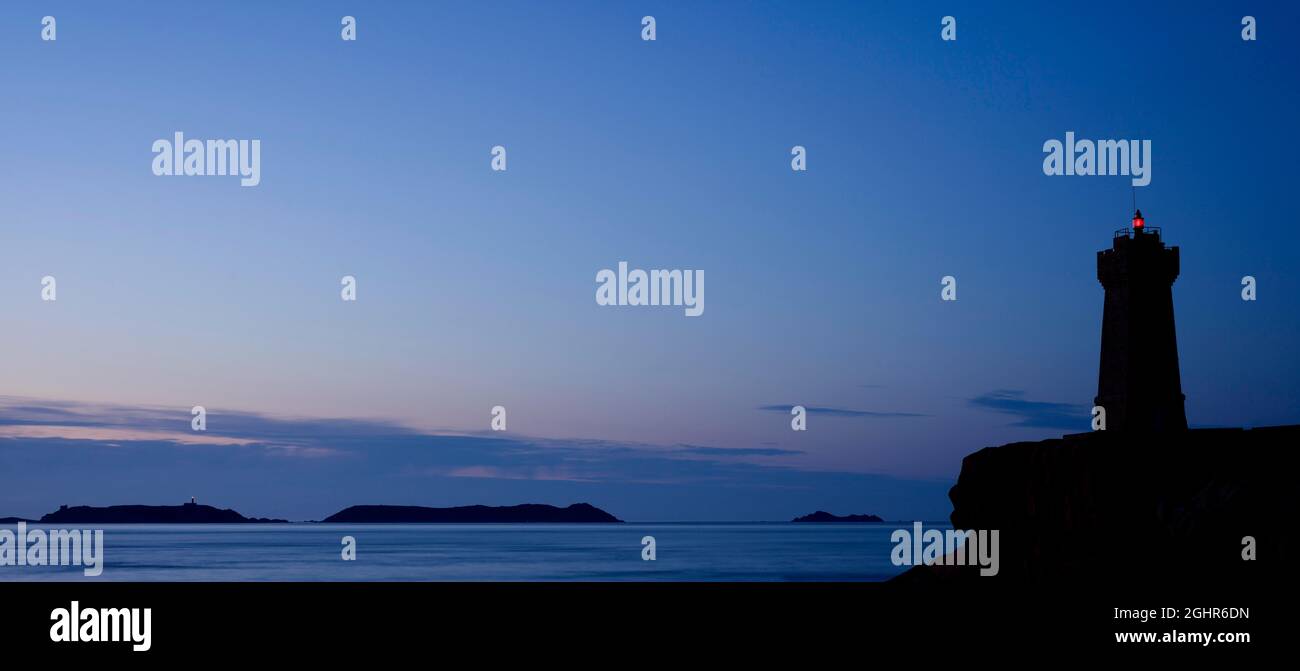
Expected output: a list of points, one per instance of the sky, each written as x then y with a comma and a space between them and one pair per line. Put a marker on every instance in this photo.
475, 288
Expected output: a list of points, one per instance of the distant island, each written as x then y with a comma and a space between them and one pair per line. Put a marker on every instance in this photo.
188, 513
194, 513
823, 516
578, 513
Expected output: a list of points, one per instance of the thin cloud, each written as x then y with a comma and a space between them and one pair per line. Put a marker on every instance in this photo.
838, 412
738, 451
1035, 414
66, 461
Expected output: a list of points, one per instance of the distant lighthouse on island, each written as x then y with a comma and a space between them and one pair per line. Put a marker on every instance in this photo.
1138, 383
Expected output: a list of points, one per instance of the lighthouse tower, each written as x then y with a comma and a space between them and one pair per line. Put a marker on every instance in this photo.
1138, 384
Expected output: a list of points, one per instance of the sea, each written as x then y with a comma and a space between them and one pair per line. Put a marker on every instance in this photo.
297, 552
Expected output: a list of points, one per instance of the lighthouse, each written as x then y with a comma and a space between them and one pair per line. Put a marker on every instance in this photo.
1138, 383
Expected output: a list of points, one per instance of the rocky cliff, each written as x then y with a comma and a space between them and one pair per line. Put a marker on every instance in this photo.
1112, 506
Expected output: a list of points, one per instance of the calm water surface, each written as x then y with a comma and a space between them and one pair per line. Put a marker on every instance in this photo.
309, 552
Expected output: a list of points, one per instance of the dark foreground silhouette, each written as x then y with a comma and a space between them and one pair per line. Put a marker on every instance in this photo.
521, 514
1125, 507
823, 516
189, 513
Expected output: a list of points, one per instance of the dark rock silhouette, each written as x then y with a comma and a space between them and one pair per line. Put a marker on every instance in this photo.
526, 513
13, 520
1113, 507
189, 513
823, 516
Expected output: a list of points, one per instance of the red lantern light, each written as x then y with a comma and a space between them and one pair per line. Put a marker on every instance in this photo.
1137, 220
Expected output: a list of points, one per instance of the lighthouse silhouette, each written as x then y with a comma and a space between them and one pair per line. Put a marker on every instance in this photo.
1138, 383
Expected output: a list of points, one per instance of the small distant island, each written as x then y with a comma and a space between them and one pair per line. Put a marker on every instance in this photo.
188, 513
578, 513
14, 520
823, 516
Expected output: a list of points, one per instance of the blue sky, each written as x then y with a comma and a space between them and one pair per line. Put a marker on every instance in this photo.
475, 288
